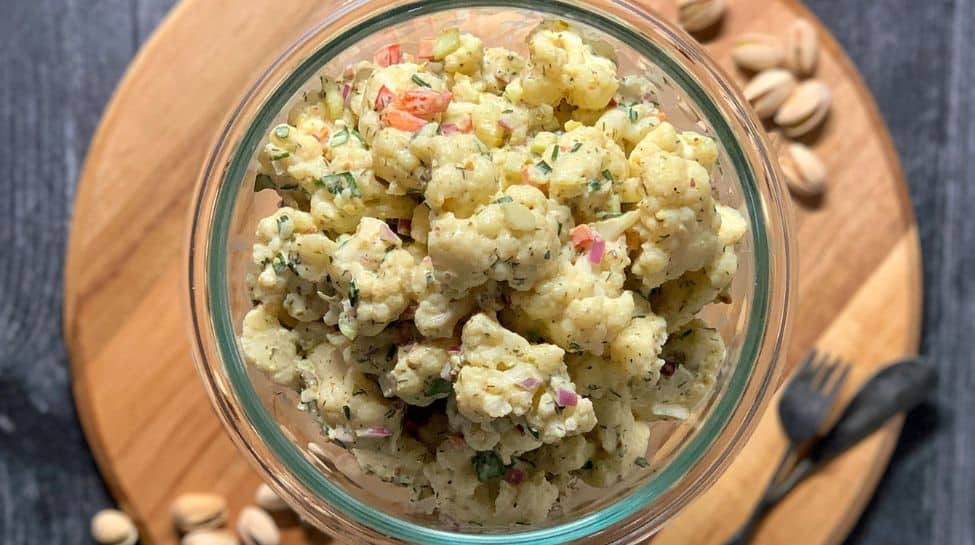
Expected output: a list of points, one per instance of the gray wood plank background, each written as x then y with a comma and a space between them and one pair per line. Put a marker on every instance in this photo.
61, 59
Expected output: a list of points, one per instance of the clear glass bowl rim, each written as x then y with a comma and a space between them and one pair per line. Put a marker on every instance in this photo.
281, 463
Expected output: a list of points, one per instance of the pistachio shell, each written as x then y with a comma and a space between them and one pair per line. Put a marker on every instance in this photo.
768, 90
756, 52
112, 527
268, 499
802, 48
256, 527
805, 108
210, 537
698, 15
805, 173
196, 511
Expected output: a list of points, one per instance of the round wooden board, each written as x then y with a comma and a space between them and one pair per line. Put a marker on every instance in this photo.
142, 406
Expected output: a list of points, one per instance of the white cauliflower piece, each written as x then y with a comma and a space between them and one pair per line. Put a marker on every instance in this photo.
585, 169
417, 378
400, 461
506, 241
500, 66
462, 177
562, 65
622, 441
502, 374
269, 346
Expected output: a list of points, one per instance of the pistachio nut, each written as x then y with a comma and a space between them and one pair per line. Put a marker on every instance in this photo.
256, 527
268, 499
196, 511
756, 52
805, 108
698, 15
112, 527
802, 48
210, 537
768, 90
804, 172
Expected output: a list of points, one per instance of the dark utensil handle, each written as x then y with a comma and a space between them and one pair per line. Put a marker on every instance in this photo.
765, 503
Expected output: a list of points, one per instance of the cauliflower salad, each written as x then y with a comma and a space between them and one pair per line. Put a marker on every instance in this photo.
485, 270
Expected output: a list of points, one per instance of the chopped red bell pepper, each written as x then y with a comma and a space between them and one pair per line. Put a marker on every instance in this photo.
388, 55
383, 98
404, 121
423, 102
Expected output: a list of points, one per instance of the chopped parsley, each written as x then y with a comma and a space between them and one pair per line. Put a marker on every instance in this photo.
595, 185
633, 115
282, 131
389, 414
279, 263
347, 412
353, 293
282, 155
337, 183
575, 147
543, 166
608, 175
262, 182
555, 153
503, 200
339, 138
588, 465
281, 221
437, 387
419, 81
560, 229
548, 254
641, 461
487, 465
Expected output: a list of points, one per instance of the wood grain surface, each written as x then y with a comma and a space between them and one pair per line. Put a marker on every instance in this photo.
149, 423
79, 53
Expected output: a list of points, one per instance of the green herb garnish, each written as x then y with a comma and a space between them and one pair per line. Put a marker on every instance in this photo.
608, 175
595, 185
543, 166
487, 465
279, 263
503, 200
347, 412
633, 115
575, 147
588, 465
641, 461
339, 138
533, 432
389, 414
555, 153
438, 386
262, 182
282, 155
337, 183
353, 293
419, 81
281, 221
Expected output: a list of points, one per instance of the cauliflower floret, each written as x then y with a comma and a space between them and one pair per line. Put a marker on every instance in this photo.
694, 356
679, 222
700, 148
500, 67
501, 375
628, 125
350, 405
581, 169
526, 502
395, 162
622, 441
267, 345
563, 65
372, 273
637, 348
295, 153
462, 177
502, 435
563, 457
417, 378
466, 58
400, 461
583, 306
507, 241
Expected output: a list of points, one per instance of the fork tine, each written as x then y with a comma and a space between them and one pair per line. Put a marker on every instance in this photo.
805, 367
838, 382
825, 372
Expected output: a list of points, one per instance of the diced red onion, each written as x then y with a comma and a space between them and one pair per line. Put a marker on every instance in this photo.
404, 226
567, 398
597, 251
388, 235
377, 431
449, 128
648, 97
346, 89
514, 476
454, 349
529, 383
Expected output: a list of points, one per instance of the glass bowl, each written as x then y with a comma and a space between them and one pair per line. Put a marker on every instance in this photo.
323, 482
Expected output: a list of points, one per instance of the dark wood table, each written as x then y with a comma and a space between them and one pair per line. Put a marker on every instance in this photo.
60, 60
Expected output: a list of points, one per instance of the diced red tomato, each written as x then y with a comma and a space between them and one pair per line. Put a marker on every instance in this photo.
423, 102
388, 55
404, 121
426, 49
582, 236
383, 98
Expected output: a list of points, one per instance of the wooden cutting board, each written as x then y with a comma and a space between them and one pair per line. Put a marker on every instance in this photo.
144, 410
